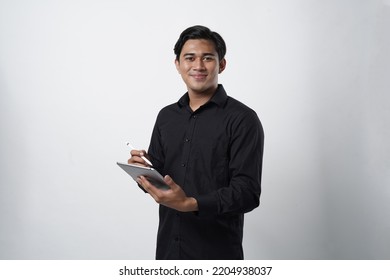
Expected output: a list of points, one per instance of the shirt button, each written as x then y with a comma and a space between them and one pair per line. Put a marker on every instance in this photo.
187, 140
183, 165
194, 116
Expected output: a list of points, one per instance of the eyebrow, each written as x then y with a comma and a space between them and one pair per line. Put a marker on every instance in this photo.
203, 54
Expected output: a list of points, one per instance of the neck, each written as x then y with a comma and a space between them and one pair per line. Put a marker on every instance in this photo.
198, 99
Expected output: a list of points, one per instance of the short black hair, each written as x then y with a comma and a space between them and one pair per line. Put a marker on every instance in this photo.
201, 32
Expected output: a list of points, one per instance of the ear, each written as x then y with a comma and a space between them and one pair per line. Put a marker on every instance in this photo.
222, 65
177, 63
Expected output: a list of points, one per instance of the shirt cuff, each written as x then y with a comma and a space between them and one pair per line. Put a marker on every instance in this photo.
207, 204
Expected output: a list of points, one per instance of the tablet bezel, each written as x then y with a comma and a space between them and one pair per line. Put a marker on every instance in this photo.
153, 176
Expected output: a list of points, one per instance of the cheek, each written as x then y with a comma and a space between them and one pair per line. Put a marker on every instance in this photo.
181, 69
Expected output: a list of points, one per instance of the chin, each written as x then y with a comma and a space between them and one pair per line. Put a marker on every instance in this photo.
200, 88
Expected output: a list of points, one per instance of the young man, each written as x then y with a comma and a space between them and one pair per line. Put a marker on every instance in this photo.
211, 148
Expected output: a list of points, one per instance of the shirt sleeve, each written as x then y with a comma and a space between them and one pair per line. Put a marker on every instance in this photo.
155, 150
242, 194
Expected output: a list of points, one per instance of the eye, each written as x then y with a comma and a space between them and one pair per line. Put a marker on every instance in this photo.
208, 58
189, 58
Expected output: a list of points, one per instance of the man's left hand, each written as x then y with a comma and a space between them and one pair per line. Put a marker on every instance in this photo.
174, 198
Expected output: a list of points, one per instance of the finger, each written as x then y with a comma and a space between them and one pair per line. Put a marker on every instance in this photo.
136, 160
138, 153
169, 181
149, 187
136, 157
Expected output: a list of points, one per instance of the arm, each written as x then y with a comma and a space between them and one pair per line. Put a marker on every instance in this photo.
242, 192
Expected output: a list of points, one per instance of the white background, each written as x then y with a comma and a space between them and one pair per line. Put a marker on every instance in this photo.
80, 78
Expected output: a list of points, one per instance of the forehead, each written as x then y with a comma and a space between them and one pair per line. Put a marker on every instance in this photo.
198, 46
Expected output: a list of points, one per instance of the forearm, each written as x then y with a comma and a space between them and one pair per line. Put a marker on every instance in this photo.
229, 200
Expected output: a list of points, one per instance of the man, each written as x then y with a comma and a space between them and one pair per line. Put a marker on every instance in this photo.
211, 148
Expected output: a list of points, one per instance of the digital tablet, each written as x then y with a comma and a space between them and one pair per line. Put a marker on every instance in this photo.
151, 174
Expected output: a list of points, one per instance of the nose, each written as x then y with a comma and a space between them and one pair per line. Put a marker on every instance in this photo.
198, 64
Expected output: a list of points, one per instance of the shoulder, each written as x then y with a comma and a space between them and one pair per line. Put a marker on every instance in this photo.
243, 120
169, 114
168, 110
240, 111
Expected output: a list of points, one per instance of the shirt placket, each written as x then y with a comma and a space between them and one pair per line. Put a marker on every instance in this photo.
188, 144
185, 165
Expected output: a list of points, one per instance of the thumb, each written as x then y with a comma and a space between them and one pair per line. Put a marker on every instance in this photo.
169, 181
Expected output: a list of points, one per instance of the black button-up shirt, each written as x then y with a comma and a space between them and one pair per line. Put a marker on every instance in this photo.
215, 154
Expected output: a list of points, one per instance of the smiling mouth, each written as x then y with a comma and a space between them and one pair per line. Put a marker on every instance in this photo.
199, 76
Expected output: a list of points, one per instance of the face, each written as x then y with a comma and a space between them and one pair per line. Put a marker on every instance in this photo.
199, 66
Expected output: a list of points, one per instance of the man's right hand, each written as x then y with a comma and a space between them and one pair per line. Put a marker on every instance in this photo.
136, 158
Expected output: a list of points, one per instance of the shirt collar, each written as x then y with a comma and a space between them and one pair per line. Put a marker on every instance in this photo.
219, 98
